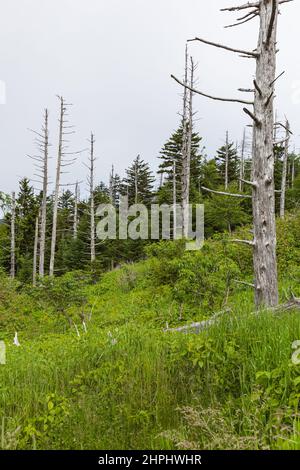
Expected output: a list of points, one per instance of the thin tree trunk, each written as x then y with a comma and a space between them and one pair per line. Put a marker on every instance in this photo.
136, 191
75, 222
186, 163
92, 199
174, 201
35, 251
242, 162
111, 186
13, 237
264, 252
184, 149
44, 200
284, 171
226, 161
57, 186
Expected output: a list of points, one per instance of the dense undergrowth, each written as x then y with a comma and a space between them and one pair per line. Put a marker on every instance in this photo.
128, 384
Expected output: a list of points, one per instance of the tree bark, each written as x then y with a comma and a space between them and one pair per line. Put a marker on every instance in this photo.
242, 162
226, 161
35, 251
284, 171
184, 149
75, 222
44, 200
13, 237
92, 199
57, 186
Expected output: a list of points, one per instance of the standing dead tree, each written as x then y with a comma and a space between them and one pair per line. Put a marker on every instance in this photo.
187, 153
13, 237
64, 159
35, 251
91, 168
75, 221
284, 169
242, 161
184, 150
262, 115
41, 166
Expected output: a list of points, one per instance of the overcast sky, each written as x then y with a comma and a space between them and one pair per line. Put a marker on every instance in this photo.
113, 59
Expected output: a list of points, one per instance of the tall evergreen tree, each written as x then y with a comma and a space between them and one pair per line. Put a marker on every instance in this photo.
139, 183
172, 151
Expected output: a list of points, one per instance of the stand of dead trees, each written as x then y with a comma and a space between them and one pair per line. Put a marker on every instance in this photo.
262, 116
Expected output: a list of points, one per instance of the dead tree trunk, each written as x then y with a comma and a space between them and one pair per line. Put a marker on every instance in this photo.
57, 187
264, 251
63, 160
284, 170
242, 162
75, 221
35, 251
13, 237
174, 200
226, 160
41, 166
136, 189
186, 162
184, 151
92, 198
111, 186
44, 200
263, 193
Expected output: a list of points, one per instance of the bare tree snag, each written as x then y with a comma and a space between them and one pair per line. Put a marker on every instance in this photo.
284, 171
41, 168
44, 200
63, 160
13, 237
186, 156
75, 221
174, 200
226, 161
263, 193
111, 186
35, 251
92, 160
184, 148
242, 162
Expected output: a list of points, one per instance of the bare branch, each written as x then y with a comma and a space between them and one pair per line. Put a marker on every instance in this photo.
230, 100
223, 193
255, 119
227, 48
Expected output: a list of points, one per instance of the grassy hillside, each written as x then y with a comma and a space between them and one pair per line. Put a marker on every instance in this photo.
128, 384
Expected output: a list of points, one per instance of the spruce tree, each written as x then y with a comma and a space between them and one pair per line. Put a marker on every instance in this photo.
139, 183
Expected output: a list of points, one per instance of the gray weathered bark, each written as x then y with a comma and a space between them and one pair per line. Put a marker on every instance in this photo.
226, 161
57, 186
284, 171
186, 162
35, 251
44, 200
263, 202
242, 162
92, 198
13, 237
75, 221
263, 191
184, 150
